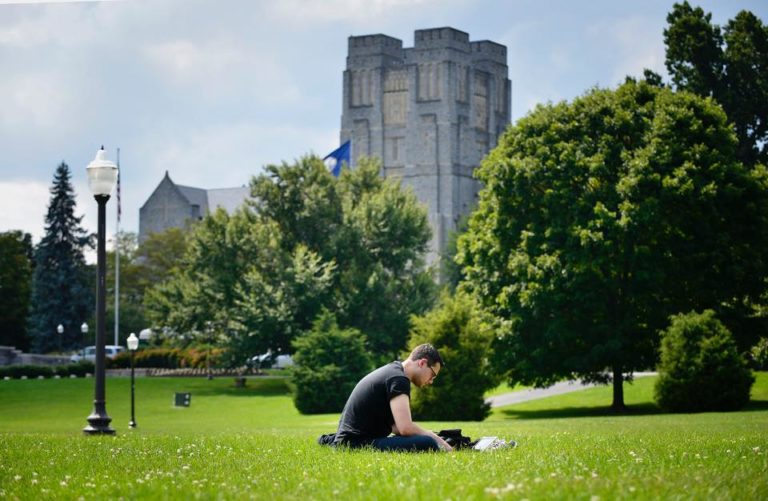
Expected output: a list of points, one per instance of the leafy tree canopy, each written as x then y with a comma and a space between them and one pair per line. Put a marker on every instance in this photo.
602, 217
463, 334
701, 368
353, 245
329, 363
15, 283
729, 64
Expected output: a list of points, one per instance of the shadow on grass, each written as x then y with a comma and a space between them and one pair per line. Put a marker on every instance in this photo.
757, 405
225, 385
645, 409
577, 412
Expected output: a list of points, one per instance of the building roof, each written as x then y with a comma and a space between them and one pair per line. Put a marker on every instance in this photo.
196, 196
228, 199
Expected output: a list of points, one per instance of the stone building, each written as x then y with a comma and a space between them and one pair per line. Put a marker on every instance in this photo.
174, 206
430, 112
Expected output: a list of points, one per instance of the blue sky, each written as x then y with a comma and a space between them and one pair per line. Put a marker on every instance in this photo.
212, 90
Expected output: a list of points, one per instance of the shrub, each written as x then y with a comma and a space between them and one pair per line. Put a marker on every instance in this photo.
759, 354
701, 368
462, 334
79, 369
328, 362
33, 371
161, 358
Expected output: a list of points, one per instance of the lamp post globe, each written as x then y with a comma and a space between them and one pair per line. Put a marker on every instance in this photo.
133, 345
102, 175
84, 332
60, 330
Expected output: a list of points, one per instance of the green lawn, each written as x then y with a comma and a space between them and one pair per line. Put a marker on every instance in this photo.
251, 443
505, 388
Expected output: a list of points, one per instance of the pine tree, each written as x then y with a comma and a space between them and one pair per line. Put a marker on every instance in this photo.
62, 286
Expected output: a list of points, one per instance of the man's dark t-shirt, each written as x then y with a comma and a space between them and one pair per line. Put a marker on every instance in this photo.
367, 415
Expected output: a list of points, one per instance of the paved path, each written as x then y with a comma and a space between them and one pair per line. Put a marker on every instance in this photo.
517, 397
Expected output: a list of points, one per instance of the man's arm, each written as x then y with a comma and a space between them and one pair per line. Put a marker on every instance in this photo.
401, 411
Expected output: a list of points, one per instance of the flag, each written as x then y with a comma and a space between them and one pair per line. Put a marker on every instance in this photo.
334, 160
118, 196
119, 210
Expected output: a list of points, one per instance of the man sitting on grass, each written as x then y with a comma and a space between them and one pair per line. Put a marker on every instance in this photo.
380, 404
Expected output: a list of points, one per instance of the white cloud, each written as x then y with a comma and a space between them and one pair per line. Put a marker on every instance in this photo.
637, 43
184, 60
213, 156
44, 26
220, 67
329, 11
35, 100
23, 205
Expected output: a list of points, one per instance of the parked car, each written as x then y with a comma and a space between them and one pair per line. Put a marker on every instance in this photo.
89, 353
271, 360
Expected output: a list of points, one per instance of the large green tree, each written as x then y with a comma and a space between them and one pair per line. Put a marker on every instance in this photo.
15, 282
602, 217
62, 285
159, 255
353, 245
728, 64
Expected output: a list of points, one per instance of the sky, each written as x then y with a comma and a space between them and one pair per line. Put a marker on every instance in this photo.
213, 90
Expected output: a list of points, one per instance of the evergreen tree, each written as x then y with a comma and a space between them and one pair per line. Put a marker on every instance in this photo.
62, 287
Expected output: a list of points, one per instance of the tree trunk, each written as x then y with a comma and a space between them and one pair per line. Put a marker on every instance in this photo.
618, 390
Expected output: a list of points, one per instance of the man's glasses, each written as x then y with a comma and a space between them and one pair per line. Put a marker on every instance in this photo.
434, 374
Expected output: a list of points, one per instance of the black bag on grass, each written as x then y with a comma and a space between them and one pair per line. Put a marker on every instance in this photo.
455, 439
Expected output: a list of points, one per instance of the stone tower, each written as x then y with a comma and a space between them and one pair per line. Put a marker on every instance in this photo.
430, 113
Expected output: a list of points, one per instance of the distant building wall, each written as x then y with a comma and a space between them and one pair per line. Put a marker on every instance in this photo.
430, 113
176, 206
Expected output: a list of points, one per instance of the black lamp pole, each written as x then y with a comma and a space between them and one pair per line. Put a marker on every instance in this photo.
133, 345
98, 421
132, 424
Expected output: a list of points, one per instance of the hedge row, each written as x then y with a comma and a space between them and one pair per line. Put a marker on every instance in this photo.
79, 369
166, 358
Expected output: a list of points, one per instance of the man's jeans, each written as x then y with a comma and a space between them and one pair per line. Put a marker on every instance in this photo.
413, 443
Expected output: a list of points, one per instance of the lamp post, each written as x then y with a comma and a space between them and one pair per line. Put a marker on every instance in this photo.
84, 331
133, 344
102, 175
60, 330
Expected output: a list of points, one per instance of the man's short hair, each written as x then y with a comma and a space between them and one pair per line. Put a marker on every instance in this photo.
429, 352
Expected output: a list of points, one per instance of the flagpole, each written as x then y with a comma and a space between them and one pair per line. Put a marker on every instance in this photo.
117, 256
